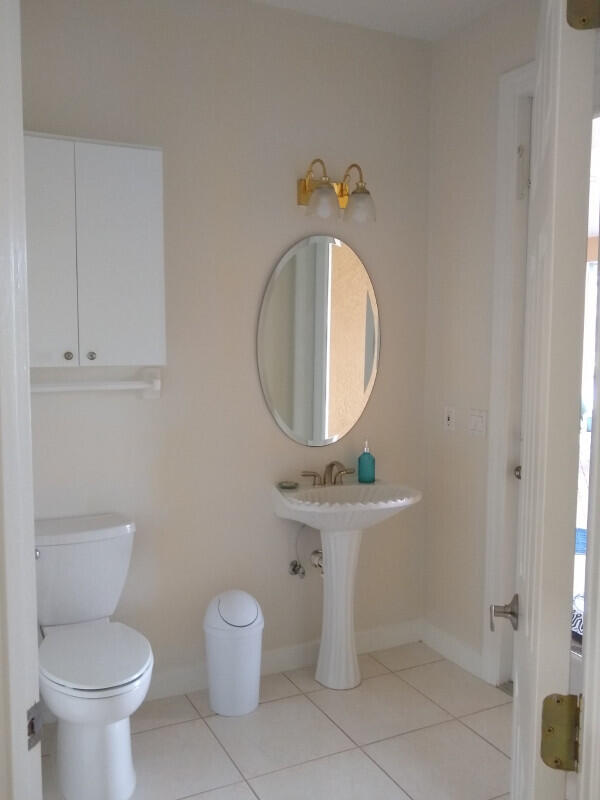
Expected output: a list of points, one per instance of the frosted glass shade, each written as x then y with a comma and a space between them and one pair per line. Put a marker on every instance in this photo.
323, 202
361, 207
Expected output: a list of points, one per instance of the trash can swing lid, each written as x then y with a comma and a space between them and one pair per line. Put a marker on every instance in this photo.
237, 608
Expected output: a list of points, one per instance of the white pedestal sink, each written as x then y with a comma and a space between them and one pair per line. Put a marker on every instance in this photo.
341, 513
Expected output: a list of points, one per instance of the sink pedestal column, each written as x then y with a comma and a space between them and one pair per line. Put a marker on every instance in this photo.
337, 666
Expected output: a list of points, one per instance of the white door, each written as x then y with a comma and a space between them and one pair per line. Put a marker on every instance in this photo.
51, 255
562, 120
20, 777
120, 255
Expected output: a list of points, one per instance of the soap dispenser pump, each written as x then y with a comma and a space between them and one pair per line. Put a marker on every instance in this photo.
366, 466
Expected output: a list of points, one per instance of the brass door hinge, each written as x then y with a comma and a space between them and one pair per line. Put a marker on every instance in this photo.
583, 14
560, 731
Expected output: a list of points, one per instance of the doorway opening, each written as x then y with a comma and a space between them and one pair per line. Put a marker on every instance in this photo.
587, 395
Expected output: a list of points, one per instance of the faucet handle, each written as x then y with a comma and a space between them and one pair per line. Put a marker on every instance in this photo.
314, 475
338, 480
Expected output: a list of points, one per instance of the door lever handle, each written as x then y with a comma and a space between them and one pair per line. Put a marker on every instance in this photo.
510, 611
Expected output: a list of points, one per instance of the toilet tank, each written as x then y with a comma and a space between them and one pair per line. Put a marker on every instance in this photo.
81, 567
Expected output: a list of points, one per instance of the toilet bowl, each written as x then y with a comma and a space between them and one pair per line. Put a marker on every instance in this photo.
93, 676
93, 673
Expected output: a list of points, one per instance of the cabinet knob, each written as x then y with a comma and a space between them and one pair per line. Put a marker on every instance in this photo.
68, 356
91, 355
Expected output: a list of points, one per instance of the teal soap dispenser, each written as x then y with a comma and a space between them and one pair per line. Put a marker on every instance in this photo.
366, 466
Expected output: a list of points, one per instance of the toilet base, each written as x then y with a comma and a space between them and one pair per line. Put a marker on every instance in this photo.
94, 761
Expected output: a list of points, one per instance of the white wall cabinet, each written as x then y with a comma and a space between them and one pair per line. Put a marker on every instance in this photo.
95, 253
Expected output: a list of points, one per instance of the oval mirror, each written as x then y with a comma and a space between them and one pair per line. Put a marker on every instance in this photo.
318, 340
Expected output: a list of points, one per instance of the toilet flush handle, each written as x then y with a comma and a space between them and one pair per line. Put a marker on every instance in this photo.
37, 553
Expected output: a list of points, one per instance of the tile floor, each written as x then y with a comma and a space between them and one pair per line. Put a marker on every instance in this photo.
417, 728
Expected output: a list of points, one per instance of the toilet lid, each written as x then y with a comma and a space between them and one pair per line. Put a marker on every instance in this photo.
95, 655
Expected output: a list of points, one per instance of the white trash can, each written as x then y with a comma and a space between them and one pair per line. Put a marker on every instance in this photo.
233, 626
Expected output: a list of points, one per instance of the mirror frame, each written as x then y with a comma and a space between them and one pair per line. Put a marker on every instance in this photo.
277, 270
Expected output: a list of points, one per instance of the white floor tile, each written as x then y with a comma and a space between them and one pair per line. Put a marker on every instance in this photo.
238, 791
345, 776
495, 725
304, 679
179, 761
200, 702
369, 667
378, 708
278, 734
275, 687
407, 655
454, 688
445, 762
167, 711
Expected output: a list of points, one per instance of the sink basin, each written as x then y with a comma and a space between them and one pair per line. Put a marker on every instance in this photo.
341, 513
344, 508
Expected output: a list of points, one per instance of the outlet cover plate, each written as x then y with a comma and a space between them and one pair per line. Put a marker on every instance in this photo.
449, 418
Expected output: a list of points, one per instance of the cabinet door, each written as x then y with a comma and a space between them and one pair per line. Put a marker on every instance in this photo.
51, 255
120, 255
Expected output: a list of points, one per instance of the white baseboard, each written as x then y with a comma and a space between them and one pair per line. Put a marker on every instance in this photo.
385, 636
193, 677
451, 648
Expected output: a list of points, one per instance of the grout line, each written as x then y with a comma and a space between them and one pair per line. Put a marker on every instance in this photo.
481, 711
481, 736
454, 716
381, 664
206, 791
435, 703
222, 746
189, 699
424, 664
252, 790
406, 733
302, 763
333, 722
385, 772
167, 725
289, 766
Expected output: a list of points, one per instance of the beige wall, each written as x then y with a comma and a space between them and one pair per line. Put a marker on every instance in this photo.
240, 97
464, 96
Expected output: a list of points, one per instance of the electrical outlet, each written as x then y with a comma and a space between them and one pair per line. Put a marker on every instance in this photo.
450, 418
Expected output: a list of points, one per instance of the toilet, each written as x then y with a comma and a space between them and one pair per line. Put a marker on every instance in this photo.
94, 673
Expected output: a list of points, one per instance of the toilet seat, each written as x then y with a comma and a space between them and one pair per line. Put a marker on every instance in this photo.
94, 658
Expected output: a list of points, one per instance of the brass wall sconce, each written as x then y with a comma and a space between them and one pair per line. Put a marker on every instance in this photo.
324, 197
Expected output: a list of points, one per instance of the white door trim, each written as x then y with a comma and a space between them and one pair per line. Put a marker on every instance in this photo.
552, 378
20, 767
499, 558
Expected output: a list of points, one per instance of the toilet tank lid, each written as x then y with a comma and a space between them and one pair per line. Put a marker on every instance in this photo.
71, 530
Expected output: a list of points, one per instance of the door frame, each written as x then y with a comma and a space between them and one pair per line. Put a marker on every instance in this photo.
589, 777
19, 766
514, 87
499, 558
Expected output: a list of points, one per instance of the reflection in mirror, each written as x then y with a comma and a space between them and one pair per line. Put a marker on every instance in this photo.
318, 340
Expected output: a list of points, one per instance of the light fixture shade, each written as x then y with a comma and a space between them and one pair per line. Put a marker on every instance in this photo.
323, 202
361, 207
